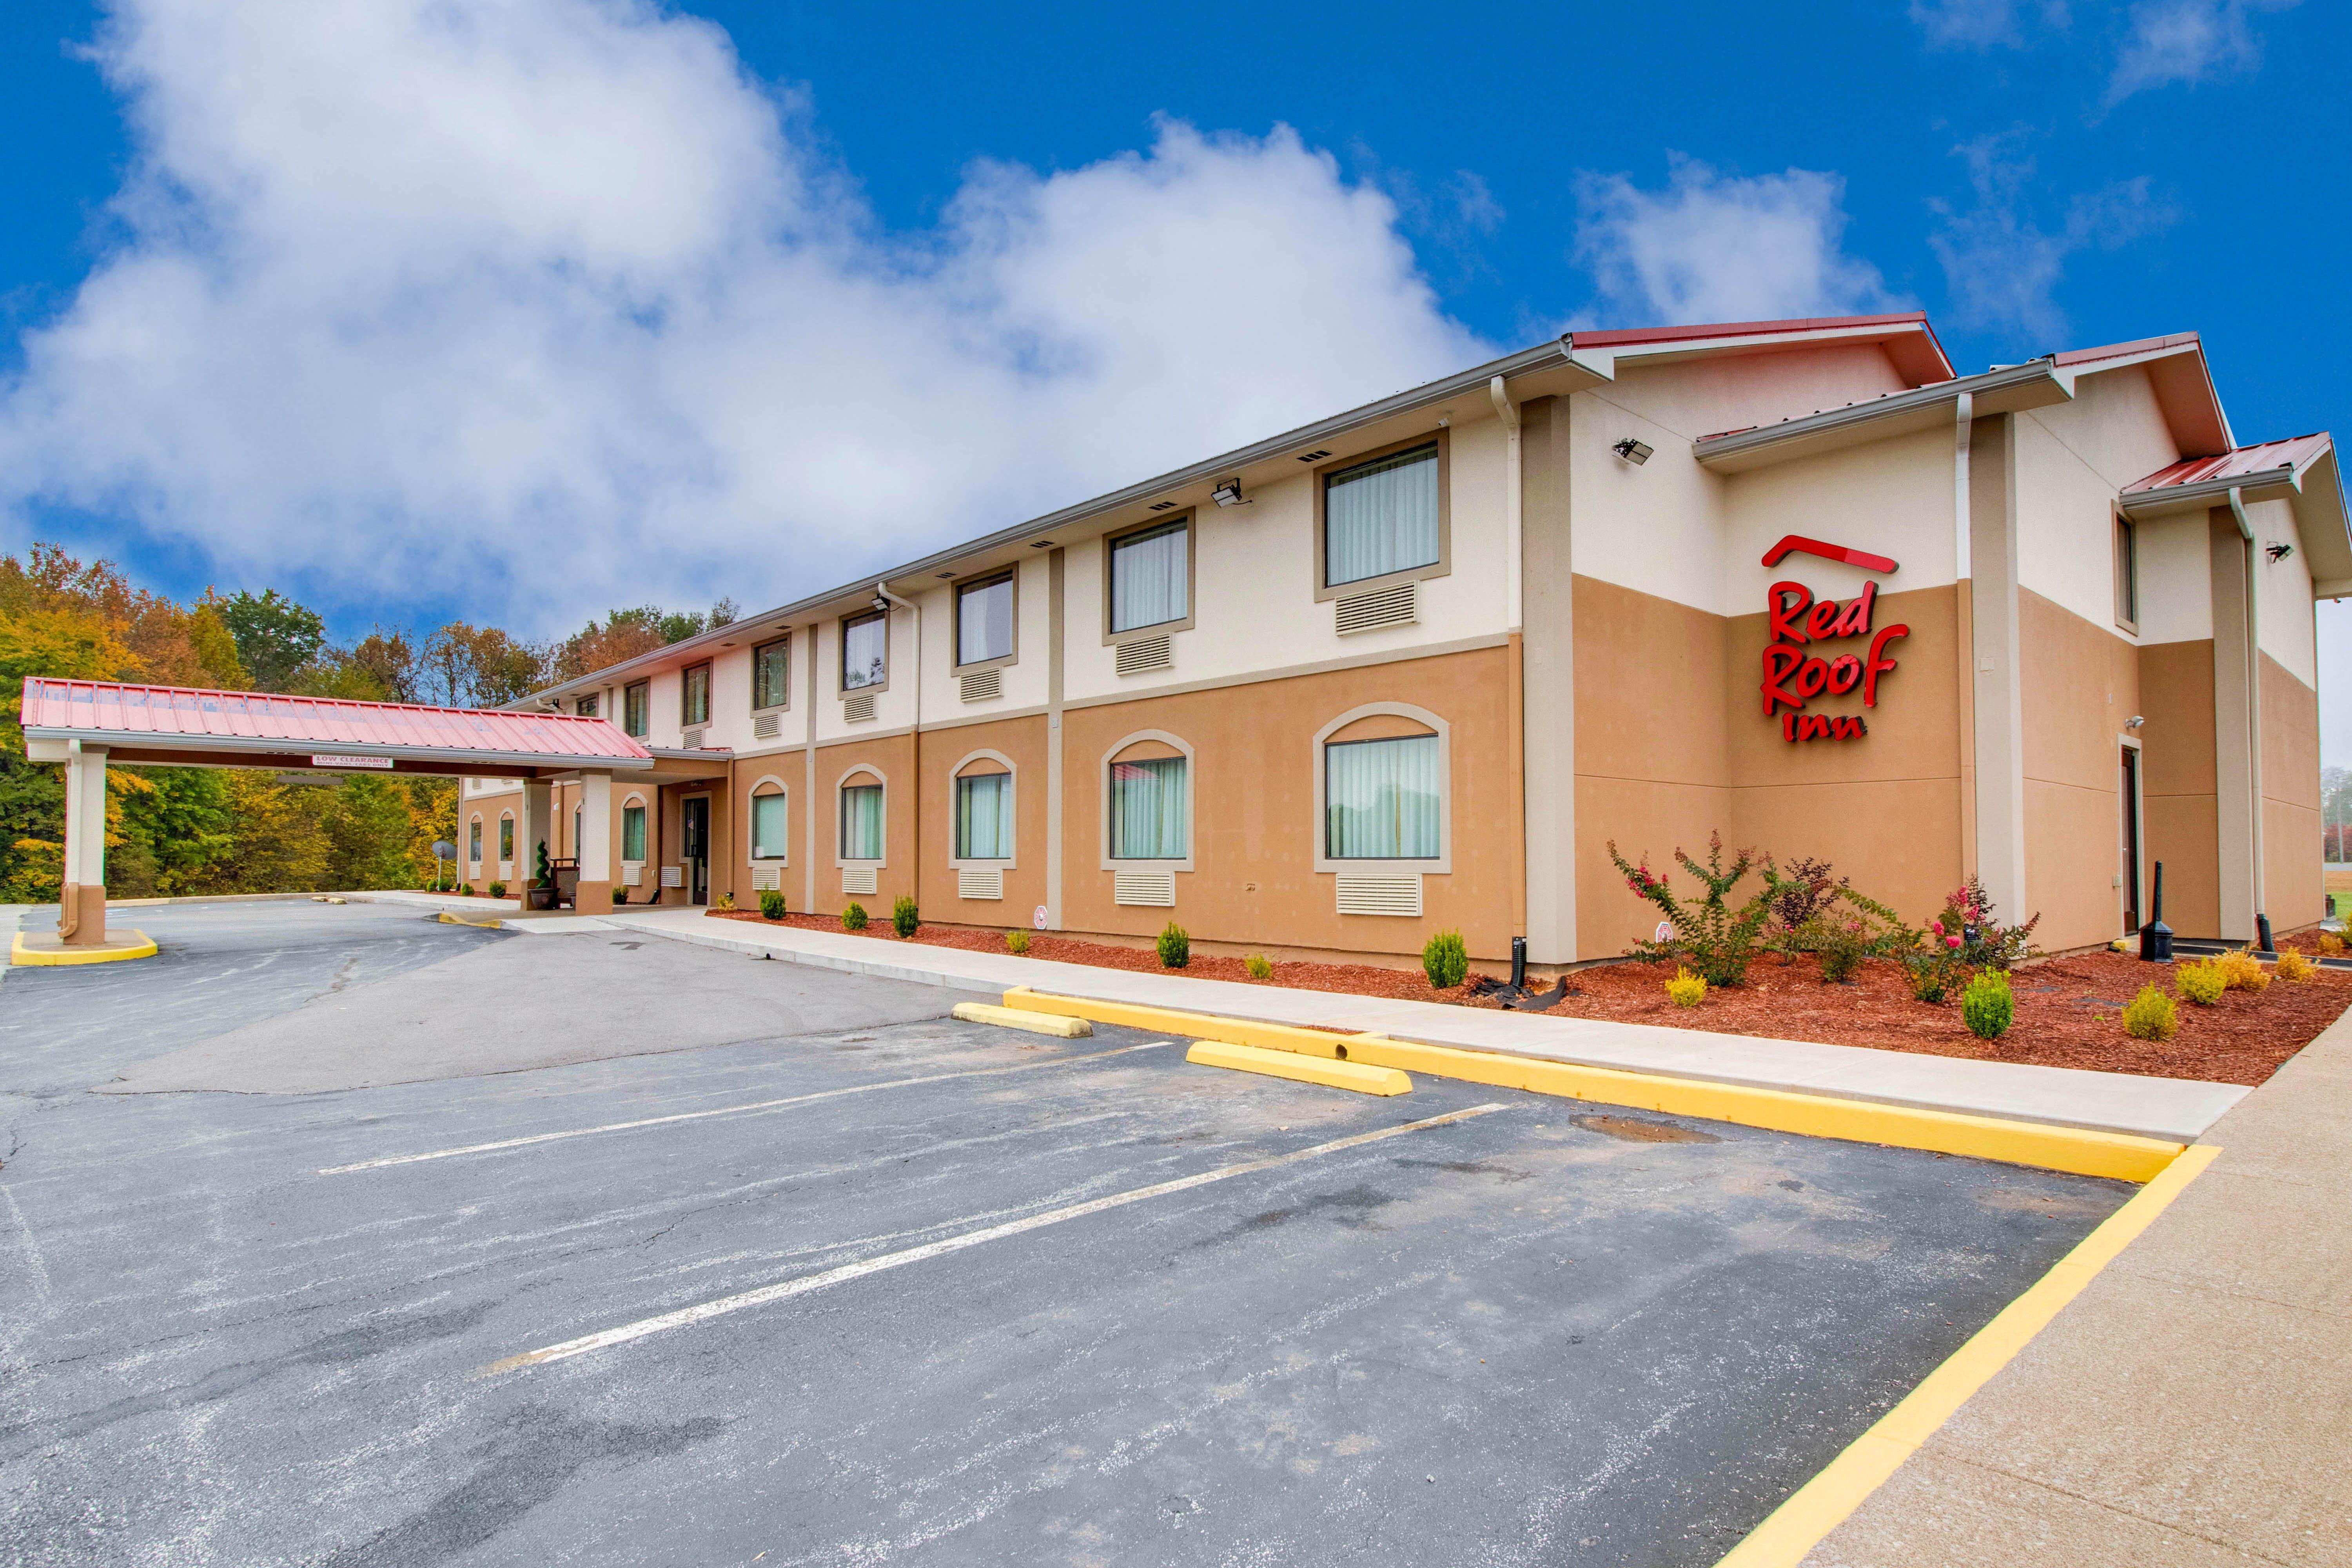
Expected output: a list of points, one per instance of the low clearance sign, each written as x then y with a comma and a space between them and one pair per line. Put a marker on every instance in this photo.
1794, 677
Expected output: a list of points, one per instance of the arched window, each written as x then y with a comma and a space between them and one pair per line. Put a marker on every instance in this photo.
1382, 789
506, 838
771, 820
863, 828
633, 829
474, 843
981, 802
1148, 802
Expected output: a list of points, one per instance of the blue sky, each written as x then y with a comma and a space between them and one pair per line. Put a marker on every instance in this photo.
517, 309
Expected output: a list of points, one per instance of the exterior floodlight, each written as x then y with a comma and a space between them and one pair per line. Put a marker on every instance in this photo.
1635, 452
1229, 493
2278, 551
2134, 722
881, 602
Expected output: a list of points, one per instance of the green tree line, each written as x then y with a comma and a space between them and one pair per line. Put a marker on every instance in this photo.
193, 831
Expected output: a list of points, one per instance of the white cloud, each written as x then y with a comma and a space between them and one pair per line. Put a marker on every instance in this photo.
1719, 247
2188, 41
1984, 23
2002, 265
547, 303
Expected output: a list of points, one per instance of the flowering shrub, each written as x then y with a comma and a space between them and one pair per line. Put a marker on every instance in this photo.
2151, 1016
1801, 892
1967, 927
2293, 967
1717, 941
1686, 989
1841, 941
1987, 1007
2200, 983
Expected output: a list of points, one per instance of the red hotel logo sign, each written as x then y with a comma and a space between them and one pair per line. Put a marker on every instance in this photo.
1793, 677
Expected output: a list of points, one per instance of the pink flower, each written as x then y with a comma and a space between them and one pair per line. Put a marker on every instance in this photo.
1951, 941
1939, 928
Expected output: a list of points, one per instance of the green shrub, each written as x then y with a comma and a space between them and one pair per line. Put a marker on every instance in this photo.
1717, 941
498, 890
2151, 1016
1840, 941
620, 895
2200, 983
854, 917
2242, 971
724, 902
1932, 971
771, 904
1686, 989
1987, 1007
1445, 961
1258, 967
903, 918
2293, 967
1016, 941
1175, 947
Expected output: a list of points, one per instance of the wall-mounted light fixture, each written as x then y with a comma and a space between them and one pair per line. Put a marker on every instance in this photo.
2278, 551
2134, 722
1635, 452
1229, 493
881, 602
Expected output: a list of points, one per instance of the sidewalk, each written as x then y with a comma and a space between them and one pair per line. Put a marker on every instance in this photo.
2174, 1108
2193, 1405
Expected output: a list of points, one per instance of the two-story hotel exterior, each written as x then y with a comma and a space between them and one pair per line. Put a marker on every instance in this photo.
1424, 660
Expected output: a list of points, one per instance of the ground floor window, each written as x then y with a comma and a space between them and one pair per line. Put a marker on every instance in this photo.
474, 841
1382, 799
984, 817
1148, 815
633, 833
506, 838
861, 822
768, 831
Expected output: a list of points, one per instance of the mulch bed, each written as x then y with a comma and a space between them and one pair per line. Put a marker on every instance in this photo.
2067, 1008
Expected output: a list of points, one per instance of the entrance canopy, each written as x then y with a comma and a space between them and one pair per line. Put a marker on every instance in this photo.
181, 727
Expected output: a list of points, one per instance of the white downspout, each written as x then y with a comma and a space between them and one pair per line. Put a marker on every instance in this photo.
915, 730
1964, 421
2253, 689
1514, 521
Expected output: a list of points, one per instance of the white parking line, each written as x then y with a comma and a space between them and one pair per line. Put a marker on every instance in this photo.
784, 1290
730, 1110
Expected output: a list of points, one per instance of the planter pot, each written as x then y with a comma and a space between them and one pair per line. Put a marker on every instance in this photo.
539, 898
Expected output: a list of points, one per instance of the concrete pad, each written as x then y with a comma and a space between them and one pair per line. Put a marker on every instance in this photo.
508, 1006
35, 949
2252, 1236
2176, 1109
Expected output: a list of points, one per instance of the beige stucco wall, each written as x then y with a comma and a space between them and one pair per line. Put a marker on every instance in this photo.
2291, 817
1023, 742
2176, 787
2082, 681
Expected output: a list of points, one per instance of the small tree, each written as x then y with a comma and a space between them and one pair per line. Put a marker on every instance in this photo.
854, 917
771, 904
1175, 947
904, 918
1445, 961
1717, 941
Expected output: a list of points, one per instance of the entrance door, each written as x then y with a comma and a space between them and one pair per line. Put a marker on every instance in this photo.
2131, 839
694, 846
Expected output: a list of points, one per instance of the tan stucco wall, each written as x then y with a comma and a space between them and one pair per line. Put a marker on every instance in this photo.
893, 757
2176, 685
2080, 682
1254, 828
2291, 817
1024, 743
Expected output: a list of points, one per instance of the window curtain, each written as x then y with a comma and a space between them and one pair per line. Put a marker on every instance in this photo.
633, 703
506, 838
770, 675
1380, 517
1381, 799
1149, 583
474, 841
768, 834
984, 818
1148, 810
865, 653
861, 822
633, 833
697, 695
576, 838
984, 622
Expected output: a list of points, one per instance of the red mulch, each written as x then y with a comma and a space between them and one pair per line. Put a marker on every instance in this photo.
2067, 1008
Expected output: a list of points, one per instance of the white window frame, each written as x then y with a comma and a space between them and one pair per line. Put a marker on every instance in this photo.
752, 822
1443, 863
1192, 802
1011, 862
843, 783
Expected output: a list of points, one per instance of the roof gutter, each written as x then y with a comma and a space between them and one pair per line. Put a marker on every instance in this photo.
1551, 355
2228, 489
1994, 392
152, 740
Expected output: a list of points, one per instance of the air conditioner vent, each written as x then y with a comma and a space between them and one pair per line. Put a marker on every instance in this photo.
985, 686
1380, 895
1397, 607
765, 727
767, 878
857, 879
1153, 889
691, 741
972, 882
857, 707
1143, 655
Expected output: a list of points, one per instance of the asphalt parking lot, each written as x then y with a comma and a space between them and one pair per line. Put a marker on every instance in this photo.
770, 1265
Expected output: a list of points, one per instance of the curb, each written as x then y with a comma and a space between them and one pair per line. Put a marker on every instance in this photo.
130, 943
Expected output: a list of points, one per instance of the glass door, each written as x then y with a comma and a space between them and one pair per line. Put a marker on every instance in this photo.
2131, 839
694, 846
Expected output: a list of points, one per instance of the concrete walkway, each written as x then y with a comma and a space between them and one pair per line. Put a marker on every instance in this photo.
2193, 1405
2175, 1109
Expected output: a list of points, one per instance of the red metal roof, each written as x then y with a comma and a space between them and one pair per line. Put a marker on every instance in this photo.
241, 718
2124, 351
2246, 462
1619, 336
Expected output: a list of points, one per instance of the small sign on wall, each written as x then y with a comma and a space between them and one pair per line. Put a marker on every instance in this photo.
1038, 920
320, 760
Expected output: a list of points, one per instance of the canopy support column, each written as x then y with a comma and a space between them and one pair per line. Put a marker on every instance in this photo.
595, 894
81, 902
536, 827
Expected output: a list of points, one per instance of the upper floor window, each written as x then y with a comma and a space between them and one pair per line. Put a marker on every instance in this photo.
1382, 799
586, 706
636, 709
864, 651
771, 674
1151, 577
694, 697
1384, 516
2126, 573
984, 620
1149, 814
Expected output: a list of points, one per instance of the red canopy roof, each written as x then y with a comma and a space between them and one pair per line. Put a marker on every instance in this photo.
171, 717
2246, 462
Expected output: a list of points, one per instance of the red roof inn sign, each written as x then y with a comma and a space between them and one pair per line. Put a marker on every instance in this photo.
1794, 677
